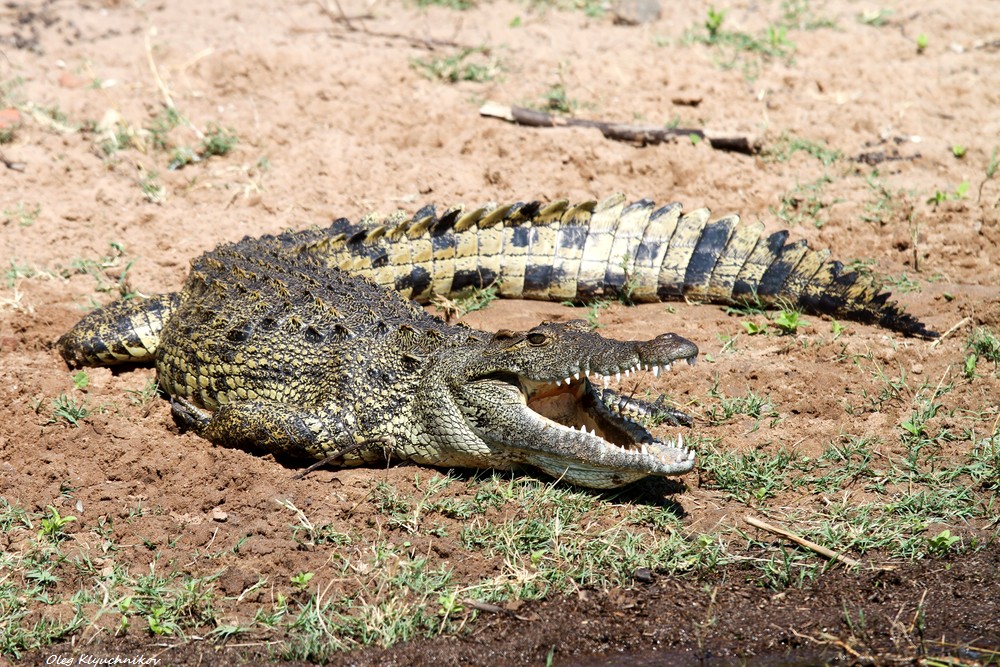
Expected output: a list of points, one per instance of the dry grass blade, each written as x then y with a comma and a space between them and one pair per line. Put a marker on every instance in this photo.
812, 546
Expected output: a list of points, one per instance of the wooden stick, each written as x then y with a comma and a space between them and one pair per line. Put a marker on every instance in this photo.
821, 550
961, 322
642, 135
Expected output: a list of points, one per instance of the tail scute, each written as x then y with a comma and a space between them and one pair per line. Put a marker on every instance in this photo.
126, 331
562, 251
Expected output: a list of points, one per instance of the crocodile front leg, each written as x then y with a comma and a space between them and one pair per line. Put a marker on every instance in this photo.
279, 428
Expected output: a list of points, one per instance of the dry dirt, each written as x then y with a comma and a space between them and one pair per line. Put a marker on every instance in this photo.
336, 119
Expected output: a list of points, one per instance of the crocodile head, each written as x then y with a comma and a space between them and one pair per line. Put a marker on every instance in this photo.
529, 397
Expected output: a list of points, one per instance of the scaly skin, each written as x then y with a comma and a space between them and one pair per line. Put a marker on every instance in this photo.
292, 343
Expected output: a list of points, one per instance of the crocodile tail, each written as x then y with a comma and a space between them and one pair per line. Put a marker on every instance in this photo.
561, 251
126, 331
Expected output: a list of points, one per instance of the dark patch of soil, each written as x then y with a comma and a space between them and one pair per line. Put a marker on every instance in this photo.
933, 608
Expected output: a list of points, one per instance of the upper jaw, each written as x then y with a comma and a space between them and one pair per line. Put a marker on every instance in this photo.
655, 355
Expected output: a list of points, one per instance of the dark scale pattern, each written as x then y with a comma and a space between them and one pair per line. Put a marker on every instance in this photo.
301, 343
306, 336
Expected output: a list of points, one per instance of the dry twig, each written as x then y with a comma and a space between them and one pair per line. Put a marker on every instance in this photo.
961, 323
812, 546
637, 134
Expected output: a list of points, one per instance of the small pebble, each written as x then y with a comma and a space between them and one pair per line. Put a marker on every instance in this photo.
636, 12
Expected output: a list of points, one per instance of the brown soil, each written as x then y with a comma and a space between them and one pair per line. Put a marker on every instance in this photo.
337, 122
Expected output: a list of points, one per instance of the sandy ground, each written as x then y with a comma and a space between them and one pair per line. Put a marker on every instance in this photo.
337, 119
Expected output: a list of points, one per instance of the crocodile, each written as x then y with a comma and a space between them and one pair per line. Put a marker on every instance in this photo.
313, 344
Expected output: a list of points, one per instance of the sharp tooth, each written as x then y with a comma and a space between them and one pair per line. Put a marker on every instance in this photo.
680, 441
606, 380
627, 371
618, 376
576, 375
645, 449
567, 380
558, 383
656, 371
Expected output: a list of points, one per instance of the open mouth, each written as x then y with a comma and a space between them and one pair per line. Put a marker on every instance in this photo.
577, 410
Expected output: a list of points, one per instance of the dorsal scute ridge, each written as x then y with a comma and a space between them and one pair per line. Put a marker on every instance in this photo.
601, 249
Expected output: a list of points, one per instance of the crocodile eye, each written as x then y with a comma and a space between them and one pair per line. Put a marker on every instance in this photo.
537, 338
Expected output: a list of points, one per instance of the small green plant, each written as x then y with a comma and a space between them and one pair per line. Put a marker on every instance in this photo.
982, 344
939, 197
161, 125
805, 204
753, 329
16, 272
467, 301
81, 380
217, 141
747, 305
301, 580
152, 189
181, 157
737, 48
969, 367
121, 137
958, 150
902, 283
753, 405
788, 145
52, 525
630, 282
159, 621
100, 270
69, 410
991, 170
798, 14
789, 321
942, 543
713, 22
143, 398
23, 214
594, 313
922, 41
777, 38
884, 203
557, 100
467, 65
